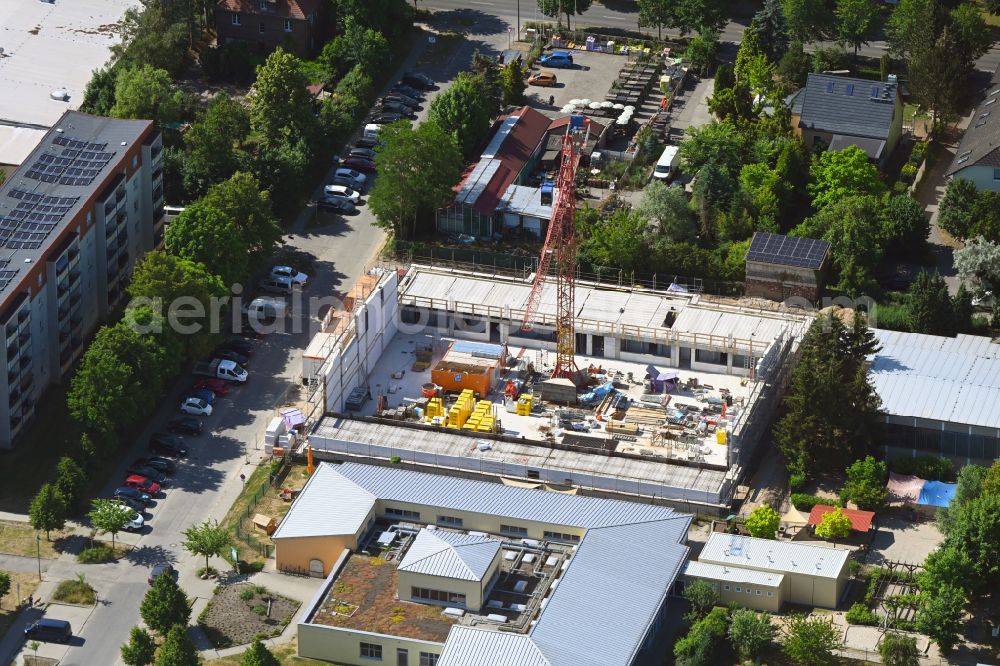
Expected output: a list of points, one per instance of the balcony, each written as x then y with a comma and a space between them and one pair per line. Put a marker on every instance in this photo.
73, 252
62, 288
11, 336
74, 298
24, 338
23, 315
27, 381
109, 209
12, 353
15, 397
157, 172
123, 259
122, 217
64, 334
120, 194
76, 318
15, 423
112, 251
157, 193
160, 216
74, 275
62, 264
63, 311
65, 356
77, 341
12, 376
155, 152
25, 361
109, 230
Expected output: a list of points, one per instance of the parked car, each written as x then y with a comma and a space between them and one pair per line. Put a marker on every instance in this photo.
159, 463
288, 273
135, 520
139, 482
546, 79
153, 475
360, 164
169, 445
356, 176
240, 345
277, 285
230, 355
365, 142
335, 205
196, 406
386, 118
366, 153
556, 59
135, 505
133, 494
49, 630
419, 80
409, 91
404, 111
213, 384
205, 394
342, 192
161, 569
397, 96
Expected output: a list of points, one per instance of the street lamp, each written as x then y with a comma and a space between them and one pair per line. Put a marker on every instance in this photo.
38, 551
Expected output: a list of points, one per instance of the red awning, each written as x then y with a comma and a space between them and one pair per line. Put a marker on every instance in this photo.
861, 521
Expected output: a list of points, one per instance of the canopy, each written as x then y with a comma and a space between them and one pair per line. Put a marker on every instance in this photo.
861, 521
904, 488
794, 517
937, 493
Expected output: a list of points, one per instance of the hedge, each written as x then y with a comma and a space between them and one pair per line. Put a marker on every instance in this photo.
804, 502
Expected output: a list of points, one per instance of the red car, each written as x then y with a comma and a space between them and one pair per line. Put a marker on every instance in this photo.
216, 386
143, 484
359, 164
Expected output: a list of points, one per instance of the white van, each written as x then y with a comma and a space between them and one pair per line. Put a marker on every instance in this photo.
666, 166
265, 308
371, 131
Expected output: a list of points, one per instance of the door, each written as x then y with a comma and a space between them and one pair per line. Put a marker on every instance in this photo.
402, 657
597, 349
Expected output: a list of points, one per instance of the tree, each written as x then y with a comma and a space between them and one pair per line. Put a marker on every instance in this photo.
956, 209
701, 645
772, 30
808, 20
930, 306
794, 66
512, 83
109, 517
243, 201
812, 642
913, 24
461, 111
851, 225
140, 649
4, 584
280, 107
152, 35
99, 95
947, 567
720, 142
899, 650
940, 617
283, 167
48, 510
750, 632
206, 539
214, 144
70, 481
258, 655
904, 225
487, 71
702, 597
842, 173
834, 525
666, 206
690, 15
205, 234
164, 606
712, 193
990, 481
417, 170
937, 77
356, 45
857, 21
616, 241
976, 531
979, 263
178, 649
147, 93
655, 14
763, 522
701, 50
865, 484
557, 8
747, 53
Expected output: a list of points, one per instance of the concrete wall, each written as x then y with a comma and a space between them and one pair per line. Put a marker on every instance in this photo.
982, 176
343, 646
472, 589
802, 589
295, 554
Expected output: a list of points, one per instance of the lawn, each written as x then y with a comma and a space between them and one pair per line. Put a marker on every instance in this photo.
241, 513
19, 539
286, 655
22, 583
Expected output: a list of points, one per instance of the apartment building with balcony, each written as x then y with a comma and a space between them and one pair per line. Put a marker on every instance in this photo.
74, 218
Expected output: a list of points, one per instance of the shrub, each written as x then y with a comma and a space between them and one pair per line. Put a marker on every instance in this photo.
796, 480
861, 614
900, 187
260, 610
908, 173
804, 502
894, 317
919, 150
246, 594
96, 555
931, 468
76, 591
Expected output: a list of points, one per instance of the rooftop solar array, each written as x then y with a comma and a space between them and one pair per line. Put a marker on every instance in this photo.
32, 219
787, 250
78, 163
6, 274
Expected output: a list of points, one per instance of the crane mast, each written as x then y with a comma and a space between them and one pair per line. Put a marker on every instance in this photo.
560, 250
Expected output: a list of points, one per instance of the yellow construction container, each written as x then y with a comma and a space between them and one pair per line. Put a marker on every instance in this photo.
434, 408
524, 405
486, 425
720, 436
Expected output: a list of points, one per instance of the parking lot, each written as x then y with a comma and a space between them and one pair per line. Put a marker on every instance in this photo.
590, 77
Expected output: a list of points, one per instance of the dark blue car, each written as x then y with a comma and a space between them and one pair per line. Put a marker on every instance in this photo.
133, 494
204, 394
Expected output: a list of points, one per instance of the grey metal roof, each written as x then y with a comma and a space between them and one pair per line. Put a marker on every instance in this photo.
980, 144
524, 200
727, 574
450, 555
873, 147
953, 380
32, 195
779, 556
476, 646
329, 504
787, 250
845, 105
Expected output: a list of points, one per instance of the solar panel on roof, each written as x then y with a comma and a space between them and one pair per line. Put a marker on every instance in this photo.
787, 250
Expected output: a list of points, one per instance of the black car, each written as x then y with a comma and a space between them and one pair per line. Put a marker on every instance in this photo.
132, 494
230, 355
409, 91
390, 107
365, 153
411, 102
165, 465
239, 346
151, 473
365, 142
419, 81
161, 569
385, 118
179, 425
136, 505
49, 630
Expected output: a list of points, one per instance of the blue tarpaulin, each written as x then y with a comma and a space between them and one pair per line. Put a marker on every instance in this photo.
598, 392
937, 493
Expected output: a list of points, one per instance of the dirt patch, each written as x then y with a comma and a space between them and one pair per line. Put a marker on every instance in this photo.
23, 583
19, 539
238, 613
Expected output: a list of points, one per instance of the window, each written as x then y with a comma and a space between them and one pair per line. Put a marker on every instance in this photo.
135, 163
996, 174
738, 589
514, 530
371, 651
235, 19
532, 473
428, 659
770, 594
726, 588
559, 536
758, 593
748, 590
262, 4
450, 520
402, 513
288, 25
260, 29
437, 595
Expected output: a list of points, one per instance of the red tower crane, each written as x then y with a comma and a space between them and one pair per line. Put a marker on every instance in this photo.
560, 250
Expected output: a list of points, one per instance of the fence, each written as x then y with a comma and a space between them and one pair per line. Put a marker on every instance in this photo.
247, 535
